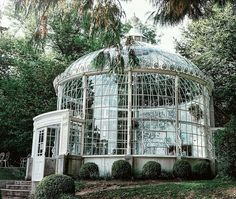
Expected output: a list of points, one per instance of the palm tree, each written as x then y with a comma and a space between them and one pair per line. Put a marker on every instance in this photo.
102, 14
166, 11
106, 14
174, 11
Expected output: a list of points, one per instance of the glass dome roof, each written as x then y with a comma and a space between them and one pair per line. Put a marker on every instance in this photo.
150, 57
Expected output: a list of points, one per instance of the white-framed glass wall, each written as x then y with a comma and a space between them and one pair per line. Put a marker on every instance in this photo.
163, 110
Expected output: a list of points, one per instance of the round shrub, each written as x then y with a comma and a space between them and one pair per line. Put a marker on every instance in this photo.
89, 170
182, 169
151, 170
121, 170
54, 185
202, 170
166, 175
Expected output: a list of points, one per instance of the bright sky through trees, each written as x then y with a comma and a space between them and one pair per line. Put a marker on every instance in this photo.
141, 9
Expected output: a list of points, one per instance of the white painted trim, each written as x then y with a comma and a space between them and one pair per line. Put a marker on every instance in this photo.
51, 113
202, 81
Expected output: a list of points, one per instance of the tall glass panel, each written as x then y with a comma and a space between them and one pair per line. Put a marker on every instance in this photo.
192, 118
153, 113
75, 138
106, 115
72, 96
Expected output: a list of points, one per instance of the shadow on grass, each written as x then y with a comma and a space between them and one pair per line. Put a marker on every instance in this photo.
184, 189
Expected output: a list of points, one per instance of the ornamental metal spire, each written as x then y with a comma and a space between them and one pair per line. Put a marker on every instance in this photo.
135, 32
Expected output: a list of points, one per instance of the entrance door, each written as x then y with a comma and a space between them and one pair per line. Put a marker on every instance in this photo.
39, 156
48, 147
52, 141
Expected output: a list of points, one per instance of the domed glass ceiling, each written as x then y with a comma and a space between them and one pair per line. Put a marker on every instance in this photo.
149, 56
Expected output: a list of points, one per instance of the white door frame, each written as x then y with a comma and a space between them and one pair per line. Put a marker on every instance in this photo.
39, 154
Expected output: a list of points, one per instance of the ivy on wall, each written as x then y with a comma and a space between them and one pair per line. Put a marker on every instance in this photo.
225, 148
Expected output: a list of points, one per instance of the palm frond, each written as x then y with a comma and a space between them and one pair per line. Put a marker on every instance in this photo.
174, 11
106, 15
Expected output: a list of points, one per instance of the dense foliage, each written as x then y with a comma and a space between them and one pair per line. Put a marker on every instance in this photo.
89, 170
166, 175
26, 90
210, 44
28, 67
225, 148
68, 196
164, 12
182, 169
54, 185
151, 170
12, 173
202, 170
121, 169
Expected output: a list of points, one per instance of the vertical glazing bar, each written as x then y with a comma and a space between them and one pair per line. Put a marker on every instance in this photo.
211, 124
129, 113
84, 112
177, 127
59, 97
206, 123
212, 114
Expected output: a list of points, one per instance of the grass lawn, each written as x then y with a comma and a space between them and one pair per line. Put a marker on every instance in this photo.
208, 189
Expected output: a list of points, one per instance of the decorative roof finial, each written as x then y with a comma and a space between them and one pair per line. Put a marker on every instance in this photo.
135, 32
135, 21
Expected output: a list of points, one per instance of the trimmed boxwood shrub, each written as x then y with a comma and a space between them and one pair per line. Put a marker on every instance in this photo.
89, 170
166, 175
121, 170
54, 185
151, 170
202, 170
182, 169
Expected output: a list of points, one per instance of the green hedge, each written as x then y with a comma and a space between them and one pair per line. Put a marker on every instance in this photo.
121, 169
151, 170
88, 171
225, 149
12, 173
201, 170
166, 175
182, 169
54, 185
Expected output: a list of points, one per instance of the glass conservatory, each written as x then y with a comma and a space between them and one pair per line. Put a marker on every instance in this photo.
157, 109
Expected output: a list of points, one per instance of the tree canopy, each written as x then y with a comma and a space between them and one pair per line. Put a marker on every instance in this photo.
25, 92
29, 65
210, 44
165, 11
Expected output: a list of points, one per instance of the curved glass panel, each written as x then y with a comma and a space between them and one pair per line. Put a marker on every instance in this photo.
156, 120
153, 111
192, 118
72, 96
106, 115
149, 56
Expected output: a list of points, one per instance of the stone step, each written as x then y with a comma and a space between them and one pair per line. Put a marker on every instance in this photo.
14, 197
11, 193
22, 182
18, 187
